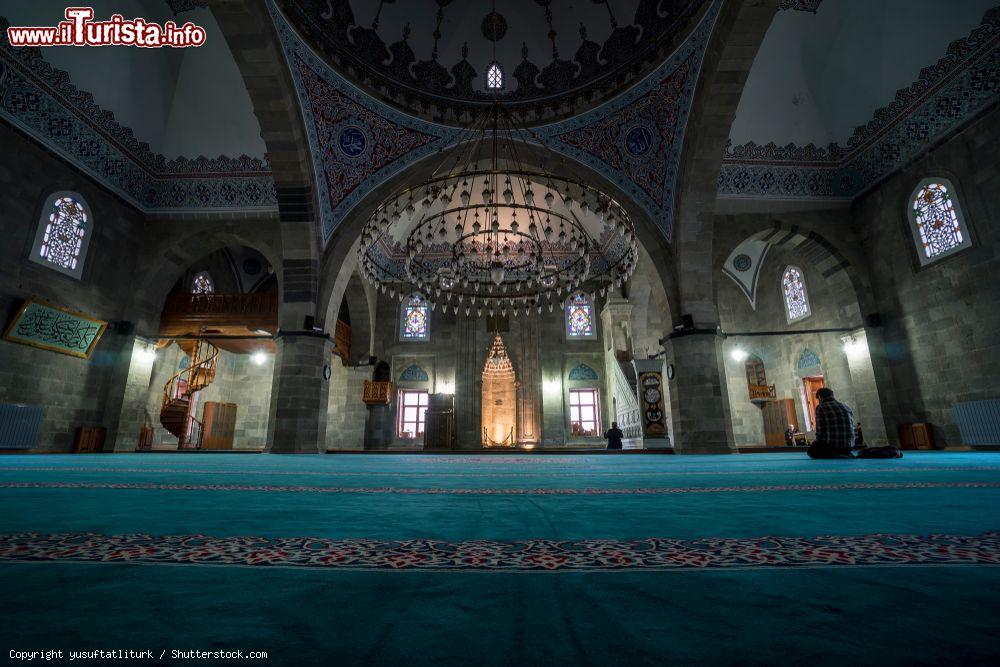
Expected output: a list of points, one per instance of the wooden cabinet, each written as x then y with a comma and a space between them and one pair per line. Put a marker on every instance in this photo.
916, 436
89, 439
220, 425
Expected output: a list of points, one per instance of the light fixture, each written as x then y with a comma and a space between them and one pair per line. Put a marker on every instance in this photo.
146, 353
552, 386
738, 354
484, 226
446, 388
258, 358
854, 347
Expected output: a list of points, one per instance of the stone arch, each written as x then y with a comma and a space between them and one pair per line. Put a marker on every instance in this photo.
250, 34
820, 257
738, 34
339, 259
172, 256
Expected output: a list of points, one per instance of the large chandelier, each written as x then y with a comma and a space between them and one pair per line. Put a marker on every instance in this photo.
485, 235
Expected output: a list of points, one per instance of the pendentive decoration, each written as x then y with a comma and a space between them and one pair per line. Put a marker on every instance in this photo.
499, 398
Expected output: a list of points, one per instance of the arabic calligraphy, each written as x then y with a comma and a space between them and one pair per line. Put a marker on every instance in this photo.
55, 329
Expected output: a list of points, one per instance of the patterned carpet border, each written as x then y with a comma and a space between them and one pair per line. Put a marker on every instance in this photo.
515, 556
410, 473
541, 491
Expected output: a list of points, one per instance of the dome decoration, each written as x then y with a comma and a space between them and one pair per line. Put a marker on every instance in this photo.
489, 235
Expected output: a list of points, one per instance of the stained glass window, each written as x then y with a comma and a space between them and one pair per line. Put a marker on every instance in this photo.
202, 284
937, 220
494, 77
579, 317
415, 319
63, 234
793, 286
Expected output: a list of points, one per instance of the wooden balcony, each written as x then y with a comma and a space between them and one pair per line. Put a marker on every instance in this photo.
377, 393
235, 319
761, 393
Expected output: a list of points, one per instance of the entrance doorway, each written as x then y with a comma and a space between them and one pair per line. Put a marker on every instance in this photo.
810, 385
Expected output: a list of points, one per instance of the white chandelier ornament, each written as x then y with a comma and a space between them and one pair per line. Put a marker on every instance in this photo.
486, 229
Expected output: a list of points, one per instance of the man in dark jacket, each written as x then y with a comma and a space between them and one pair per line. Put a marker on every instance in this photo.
834, 428
614, 436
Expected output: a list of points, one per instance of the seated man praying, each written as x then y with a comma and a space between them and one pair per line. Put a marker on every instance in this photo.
834, 428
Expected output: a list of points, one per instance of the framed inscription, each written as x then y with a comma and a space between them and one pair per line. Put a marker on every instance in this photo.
43, 325
654, 424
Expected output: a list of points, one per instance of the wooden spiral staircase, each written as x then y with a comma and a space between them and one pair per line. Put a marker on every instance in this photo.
176, 410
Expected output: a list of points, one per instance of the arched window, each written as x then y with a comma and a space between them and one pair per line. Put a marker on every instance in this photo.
415, 318
793, 288
494, 77
936, 220
64, 231
202, 284
580, 317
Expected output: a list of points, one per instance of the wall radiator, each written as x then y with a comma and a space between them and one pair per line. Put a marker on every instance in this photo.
19, 425
979, 422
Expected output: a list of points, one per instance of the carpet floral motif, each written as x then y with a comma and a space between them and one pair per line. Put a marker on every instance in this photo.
534, 555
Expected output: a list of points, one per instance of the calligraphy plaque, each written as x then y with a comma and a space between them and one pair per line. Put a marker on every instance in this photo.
654, 423
49, 327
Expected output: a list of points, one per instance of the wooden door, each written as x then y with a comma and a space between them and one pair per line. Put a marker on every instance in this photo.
777, 416
220, 425
811, 386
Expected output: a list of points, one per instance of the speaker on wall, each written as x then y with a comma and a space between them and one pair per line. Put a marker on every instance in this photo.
874, 320
688, 321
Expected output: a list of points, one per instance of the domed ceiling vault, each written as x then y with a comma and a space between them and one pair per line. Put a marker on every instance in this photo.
837, 101
180, 135
430, 57
357, 142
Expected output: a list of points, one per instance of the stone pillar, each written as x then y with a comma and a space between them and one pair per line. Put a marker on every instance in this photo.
299, 394
864, 364
127, 394
699, 402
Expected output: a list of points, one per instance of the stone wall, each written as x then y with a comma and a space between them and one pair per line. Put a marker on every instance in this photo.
942, 321
237, 380
74, 391
345, 424
781, 353
454, 356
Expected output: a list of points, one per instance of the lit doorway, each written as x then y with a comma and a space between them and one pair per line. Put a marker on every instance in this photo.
810, 385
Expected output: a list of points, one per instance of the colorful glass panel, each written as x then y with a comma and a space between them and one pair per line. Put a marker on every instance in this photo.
494, 77
937, 221
64, 233
416, 320
579, 317
202, 284
794, 288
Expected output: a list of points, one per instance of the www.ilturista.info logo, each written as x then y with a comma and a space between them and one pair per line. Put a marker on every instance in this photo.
79, 29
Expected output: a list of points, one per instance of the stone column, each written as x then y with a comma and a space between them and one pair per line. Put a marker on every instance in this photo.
864, 364
699, 401
299, 394
127, 394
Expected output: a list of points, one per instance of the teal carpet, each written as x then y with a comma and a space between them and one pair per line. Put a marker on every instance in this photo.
500, 560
